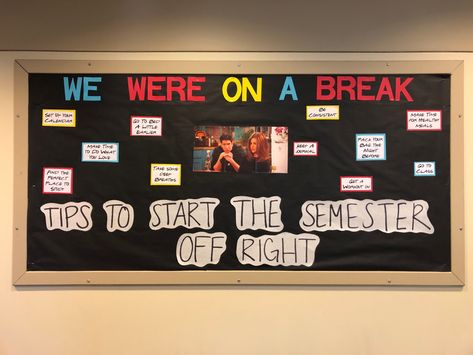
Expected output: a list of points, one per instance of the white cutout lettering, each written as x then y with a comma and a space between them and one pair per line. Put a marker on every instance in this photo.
366, 215
68, 216
120, 216
191, 213
200, 248
284, 249
258, 213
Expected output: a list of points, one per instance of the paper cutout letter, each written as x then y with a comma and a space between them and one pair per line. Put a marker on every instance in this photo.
200, 248
120, 216
68, 216
258, 213
284, 249
191, 213
366, 215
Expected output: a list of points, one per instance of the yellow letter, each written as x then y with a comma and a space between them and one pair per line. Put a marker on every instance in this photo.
237, 83
248, 87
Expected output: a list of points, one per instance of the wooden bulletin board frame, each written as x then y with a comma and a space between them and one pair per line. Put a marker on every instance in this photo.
207, 277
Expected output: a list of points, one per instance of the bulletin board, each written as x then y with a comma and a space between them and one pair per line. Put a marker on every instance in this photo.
238, 172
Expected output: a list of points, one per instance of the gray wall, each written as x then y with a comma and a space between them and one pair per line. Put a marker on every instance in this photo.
245, 25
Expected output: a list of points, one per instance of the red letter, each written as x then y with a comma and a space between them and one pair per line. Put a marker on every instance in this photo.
350, 87
179, 88
328, 85
401, 88
191, 88
385, 89
361, 88
136, 88
151, 87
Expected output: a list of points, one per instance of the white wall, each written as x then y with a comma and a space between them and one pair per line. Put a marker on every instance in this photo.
228, 320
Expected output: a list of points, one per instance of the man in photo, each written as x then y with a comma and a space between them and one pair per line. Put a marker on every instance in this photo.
227, 157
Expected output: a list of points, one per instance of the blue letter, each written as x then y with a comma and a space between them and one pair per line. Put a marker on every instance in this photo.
72, 88
88, 88
288, 89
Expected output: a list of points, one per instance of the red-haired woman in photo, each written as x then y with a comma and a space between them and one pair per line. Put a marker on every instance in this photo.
257, 159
